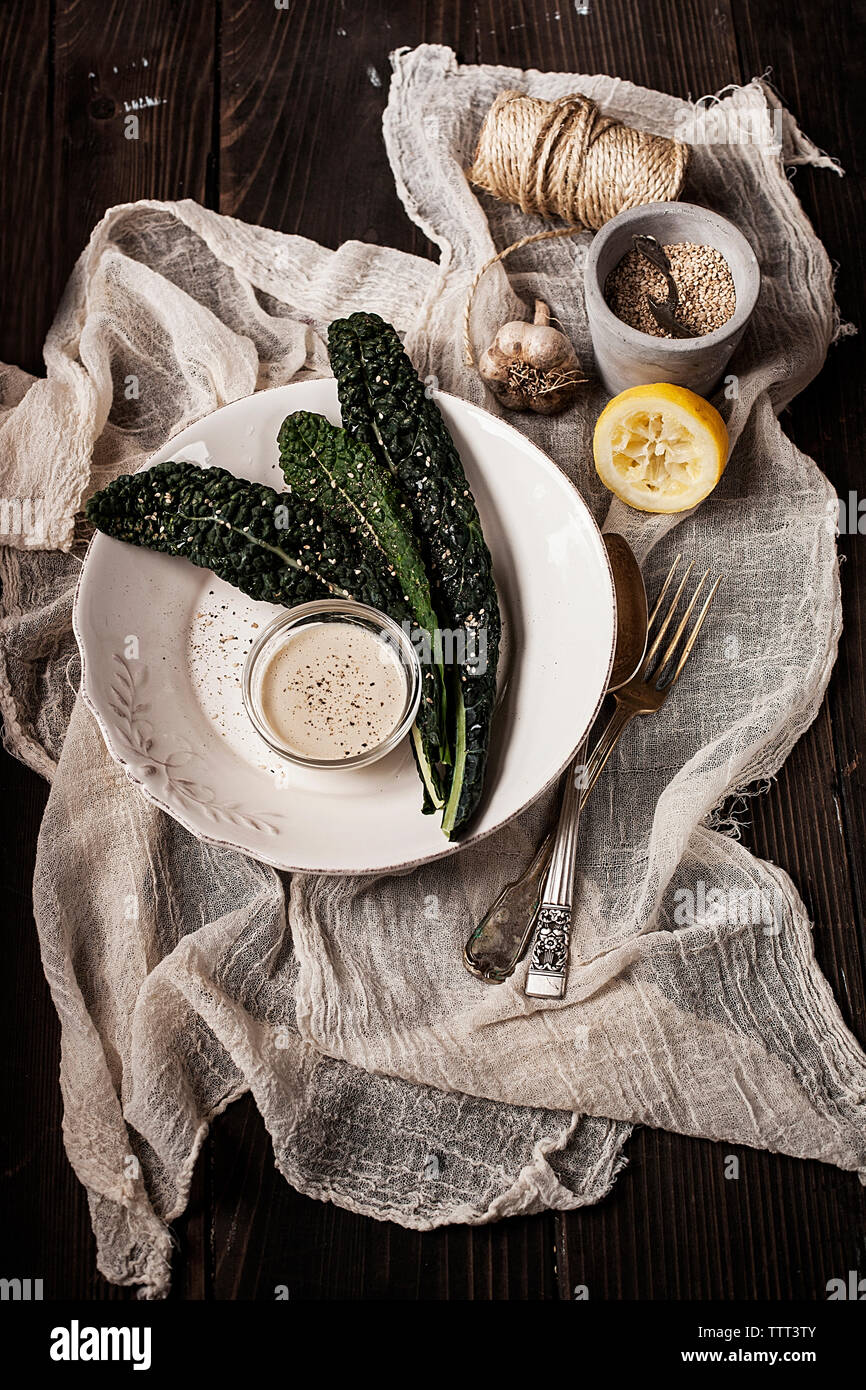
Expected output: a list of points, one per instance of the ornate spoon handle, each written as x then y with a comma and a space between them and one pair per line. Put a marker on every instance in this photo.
549, 963
500, 941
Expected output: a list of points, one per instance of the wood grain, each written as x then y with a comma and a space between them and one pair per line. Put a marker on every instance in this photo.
115, 62
302, 96
27, 201
274, 116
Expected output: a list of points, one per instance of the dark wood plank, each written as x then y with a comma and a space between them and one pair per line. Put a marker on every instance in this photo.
302, 96
26, 186
687, 49
46, 1229
153, 61
675, 1227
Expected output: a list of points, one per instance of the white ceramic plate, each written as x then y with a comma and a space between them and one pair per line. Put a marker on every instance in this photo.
163, 645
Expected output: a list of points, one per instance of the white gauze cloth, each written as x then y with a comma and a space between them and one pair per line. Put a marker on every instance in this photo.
390, 1081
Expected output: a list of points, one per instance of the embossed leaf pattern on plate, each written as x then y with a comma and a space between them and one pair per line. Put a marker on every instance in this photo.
136, 733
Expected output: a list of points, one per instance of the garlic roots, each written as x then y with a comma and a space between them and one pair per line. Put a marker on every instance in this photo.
531, 366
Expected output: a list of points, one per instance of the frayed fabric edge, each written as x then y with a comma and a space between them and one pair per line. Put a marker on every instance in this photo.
730, 817
795, 147
536, 1188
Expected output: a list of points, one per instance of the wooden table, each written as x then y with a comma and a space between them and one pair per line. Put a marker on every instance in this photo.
274, 116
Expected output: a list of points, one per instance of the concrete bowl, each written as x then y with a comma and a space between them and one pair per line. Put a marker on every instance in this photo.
625, 356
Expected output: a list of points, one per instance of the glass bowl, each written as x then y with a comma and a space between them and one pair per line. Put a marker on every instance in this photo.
331, 610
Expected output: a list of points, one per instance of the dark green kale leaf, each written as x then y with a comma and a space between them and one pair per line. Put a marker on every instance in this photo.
385, 406
271, 546
324, 465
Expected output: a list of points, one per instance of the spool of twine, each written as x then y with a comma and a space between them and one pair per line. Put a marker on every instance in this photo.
565, 159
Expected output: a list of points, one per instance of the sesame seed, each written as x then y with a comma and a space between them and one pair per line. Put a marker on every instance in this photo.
707, 296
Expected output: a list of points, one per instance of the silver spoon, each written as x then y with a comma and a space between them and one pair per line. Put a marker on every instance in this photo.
663, 312
500, 940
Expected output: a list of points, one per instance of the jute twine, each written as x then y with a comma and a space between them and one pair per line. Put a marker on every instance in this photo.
565, 159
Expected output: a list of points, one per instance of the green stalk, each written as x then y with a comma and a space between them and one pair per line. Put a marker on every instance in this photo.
449, 817
426, 771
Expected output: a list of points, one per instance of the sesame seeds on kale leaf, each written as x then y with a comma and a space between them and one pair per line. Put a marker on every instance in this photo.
384, 405
273, 547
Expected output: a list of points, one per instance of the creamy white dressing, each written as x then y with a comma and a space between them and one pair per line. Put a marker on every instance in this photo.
333, 691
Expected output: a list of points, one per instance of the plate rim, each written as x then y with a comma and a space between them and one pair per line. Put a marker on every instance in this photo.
449, 847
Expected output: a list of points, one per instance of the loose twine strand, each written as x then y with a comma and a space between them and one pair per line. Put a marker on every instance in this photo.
565, 159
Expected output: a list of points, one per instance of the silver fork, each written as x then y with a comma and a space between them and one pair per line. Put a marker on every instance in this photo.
644, 694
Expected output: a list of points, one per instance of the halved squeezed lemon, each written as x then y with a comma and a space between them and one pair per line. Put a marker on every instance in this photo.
660, 448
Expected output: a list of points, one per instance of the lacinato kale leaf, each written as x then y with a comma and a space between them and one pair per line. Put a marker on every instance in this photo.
273, 547
385, 406
324, 465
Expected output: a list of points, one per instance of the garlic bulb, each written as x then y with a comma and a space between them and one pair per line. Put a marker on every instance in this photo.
531, 366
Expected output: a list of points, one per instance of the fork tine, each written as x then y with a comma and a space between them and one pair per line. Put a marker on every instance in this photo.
666, 623
673, 643
694, 632
658, 603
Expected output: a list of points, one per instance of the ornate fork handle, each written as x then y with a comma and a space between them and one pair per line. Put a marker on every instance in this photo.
500, 941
